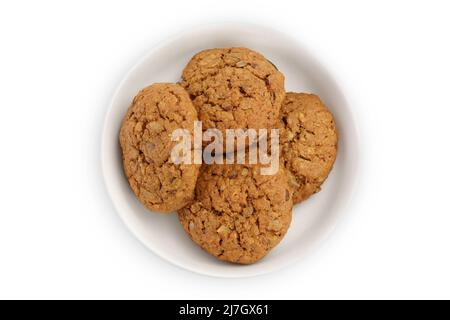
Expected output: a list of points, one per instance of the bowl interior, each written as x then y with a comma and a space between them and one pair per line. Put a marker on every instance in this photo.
312, 220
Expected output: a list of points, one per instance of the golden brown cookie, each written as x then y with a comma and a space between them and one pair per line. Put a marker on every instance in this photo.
234, 88
239, 214
145, 138
308, 141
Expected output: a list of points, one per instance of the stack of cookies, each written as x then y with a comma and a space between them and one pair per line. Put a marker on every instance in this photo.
231, 210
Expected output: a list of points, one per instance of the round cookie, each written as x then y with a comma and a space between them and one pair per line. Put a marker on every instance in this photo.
145, 138
239, 214
308, 142
234, 88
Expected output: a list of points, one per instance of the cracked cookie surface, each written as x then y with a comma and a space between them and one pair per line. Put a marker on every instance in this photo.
234, 88
238, 215
308, 141
145, 138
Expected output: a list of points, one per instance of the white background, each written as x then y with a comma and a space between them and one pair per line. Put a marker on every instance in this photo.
59, 65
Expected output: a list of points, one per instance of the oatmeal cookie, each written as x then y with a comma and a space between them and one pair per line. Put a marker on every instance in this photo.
234, 88
145, 138
308, 142
238, 214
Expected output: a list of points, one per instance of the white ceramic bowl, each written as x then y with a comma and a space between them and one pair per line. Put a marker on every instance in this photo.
312, 221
